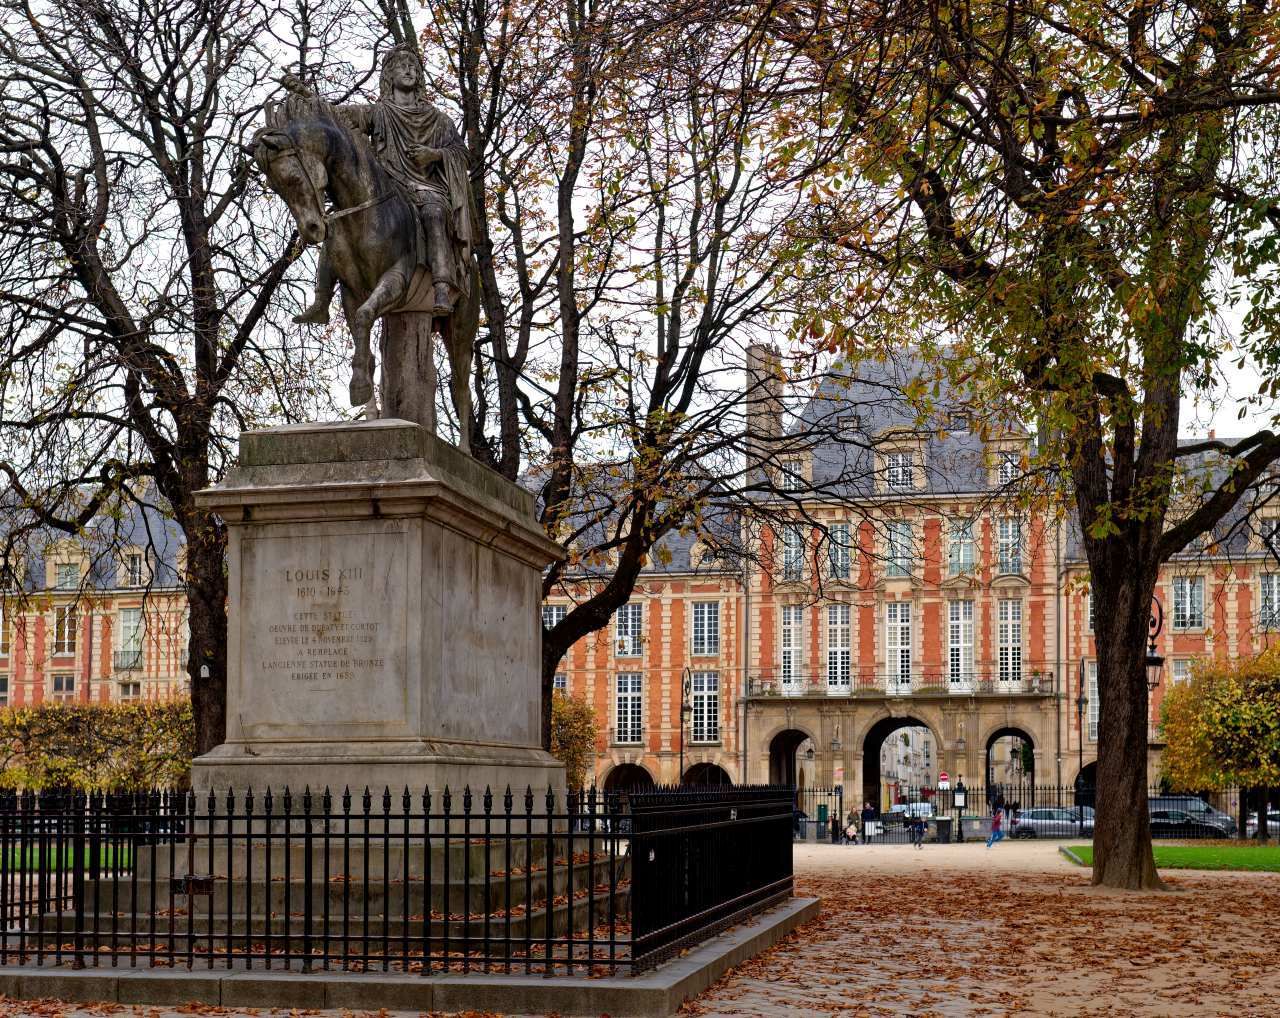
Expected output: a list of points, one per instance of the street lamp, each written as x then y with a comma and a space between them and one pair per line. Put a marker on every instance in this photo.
1155, 663
685, 710
959, 799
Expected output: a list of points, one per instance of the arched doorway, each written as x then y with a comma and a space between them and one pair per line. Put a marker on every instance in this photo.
706, 774
899, 758
628, 778
1086, 784
1010, 770
784, 765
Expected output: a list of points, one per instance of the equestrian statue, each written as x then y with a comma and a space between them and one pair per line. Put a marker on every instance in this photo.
383, 189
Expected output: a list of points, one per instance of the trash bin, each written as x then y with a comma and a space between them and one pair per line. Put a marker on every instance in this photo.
943, 825
822, 812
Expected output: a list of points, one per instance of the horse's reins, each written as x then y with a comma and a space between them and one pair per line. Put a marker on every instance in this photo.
326, 217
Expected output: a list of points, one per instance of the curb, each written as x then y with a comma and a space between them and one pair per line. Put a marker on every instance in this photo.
1071, 856
654, 994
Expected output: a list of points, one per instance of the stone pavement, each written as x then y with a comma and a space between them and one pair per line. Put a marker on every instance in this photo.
957, 930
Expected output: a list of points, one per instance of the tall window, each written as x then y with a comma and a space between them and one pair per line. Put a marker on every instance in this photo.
898, 642
1270, 533
899, 473
1093, 612
960, 643
1093, 701
129, 653
4, 689
1188, 602
792, 634
960, 547
1010, 632
1009, 467
67, 575
791, 474
553, 615
838, 551
839, 648
628, 630
1269, 615
133, 569
898, 541
1009, 544
706, 706
64, 629
4, 630
630, 707
706, 628
64, 688
792, 551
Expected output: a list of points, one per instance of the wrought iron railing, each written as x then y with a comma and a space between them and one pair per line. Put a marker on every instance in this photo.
914, 684
412, 883
127, 660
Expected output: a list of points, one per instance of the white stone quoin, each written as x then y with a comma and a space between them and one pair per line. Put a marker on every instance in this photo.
384, 625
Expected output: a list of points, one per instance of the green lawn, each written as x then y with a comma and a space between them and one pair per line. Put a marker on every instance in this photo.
1212, 856
53, 859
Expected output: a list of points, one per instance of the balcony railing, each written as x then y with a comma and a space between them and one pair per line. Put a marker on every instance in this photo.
127, 660
917, 684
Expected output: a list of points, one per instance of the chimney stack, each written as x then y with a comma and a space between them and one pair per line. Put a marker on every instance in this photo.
764, 405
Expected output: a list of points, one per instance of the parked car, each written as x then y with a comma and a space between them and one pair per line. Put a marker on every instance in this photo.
1197, 808
900, 812
1176, 823
1088, 815
1048, 822
1273, 824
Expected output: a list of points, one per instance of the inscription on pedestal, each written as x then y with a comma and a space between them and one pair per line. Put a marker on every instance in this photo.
324, 627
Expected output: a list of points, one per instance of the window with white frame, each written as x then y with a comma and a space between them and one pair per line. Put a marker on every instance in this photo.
791, 475
560, 683
839, 647
130, 691
898, 550
1009, 618
898, 641
790, 644
1188, 602
1092, 613
1093, 701
553, 615
1269, 612
65, 622
4, 689
64, 687
705, 687
792, 551
960, 547
960, 642
4, 629
629, 707
1269, 531
1010, 467
67, 575
899, 471
1181, 670
133, 569
838, 551
706, 628
1009, 544
129, 639
627, 630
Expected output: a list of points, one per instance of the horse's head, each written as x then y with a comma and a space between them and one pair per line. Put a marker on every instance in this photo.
291, 155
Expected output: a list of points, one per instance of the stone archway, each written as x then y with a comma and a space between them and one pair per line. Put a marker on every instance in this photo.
706, 774
628, 777
1009, 766
1086, 784
873, 741
783, 747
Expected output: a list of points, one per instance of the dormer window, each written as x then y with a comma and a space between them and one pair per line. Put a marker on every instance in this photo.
791, 475
899, 472
67, 575
133, 569
1009, 468
960, 424
850, 422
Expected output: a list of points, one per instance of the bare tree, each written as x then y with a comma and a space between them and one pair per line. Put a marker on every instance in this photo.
143, 277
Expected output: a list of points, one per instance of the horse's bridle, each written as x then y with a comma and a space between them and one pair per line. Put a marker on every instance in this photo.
327, 218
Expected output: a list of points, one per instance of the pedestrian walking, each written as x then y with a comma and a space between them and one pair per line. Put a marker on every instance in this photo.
868, 816
997, 827
917, 831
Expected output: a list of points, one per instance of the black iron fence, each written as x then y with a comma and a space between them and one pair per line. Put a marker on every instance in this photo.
590, 882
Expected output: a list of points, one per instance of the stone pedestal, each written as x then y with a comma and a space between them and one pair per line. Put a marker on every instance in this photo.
384, 625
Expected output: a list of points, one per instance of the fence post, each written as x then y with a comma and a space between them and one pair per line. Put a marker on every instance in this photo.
79, 806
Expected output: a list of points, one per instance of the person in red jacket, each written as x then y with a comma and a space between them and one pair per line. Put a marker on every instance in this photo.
997, 825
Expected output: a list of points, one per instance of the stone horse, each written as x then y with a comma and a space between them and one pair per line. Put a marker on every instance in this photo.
371, 236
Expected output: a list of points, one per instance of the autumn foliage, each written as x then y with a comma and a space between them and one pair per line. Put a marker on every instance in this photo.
1223, 727
573, 736
97, 747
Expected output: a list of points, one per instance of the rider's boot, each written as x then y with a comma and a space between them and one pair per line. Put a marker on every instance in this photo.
316, 314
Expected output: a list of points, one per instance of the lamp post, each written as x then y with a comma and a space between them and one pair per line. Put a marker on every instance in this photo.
959, 799
1155, 663
685, 678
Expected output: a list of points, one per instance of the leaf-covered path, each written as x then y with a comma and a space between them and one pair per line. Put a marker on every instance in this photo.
958, 930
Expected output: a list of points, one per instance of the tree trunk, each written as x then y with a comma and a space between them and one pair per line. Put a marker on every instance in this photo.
1122, 831
207, 651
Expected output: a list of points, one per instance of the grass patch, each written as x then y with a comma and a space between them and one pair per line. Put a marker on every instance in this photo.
49, 858
1211, 856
